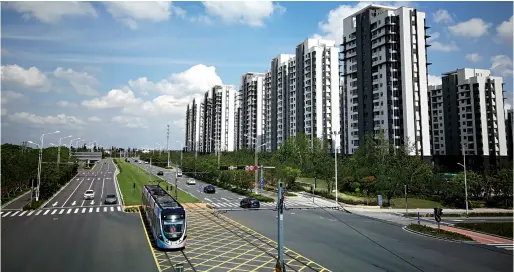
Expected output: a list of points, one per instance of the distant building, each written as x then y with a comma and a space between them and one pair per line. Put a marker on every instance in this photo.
251, 110
509, 129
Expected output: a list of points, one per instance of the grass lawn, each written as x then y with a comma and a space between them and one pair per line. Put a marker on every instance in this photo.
497, 228
130, 174
413, 203
438, 232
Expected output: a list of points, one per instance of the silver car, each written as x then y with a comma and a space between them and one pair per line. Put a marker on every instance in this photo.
89, 194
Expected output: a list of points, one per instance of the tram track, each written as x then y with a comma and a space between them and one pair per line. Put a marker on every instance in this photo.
254, 236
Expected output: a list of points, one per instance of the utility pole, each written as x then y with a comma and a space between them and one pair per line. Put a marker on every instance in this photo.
262, 177
167, 145
149, 174
280, 211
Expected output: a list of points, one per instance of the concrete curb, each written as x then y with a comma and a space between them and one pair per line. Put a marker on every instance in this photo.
115, 177
62, 188
12, 200
435, 237
373, 218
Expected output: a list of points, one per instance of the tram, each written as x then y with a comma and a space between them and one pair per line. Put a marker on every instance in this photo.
167, 218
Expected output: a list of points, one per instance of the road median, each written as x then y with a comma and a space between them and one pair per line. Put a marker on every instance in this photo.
437, 233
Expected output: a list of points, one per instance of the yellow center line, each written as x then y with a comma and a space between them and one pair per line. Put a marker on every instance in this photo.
149, 243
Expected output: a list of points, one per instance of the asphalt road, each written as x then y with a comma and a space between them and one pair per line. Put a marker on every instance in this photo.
81, 243
18, 203
99, 179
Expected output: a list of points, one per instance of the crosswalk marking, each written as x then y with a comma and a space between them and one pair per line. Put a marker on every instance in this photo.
263, 204
47, 211
83, 210
90, 209
76, 210
54, 211
38, 212
30, 213
22, 213
105, 209
97, 209
112, 209
6, 214
13, 214
503, 246
60, 212
119, 208
69, 211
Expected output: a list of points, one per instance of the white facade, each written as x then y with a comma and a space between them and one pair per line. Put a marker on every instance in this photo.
384, 46
194, 126
477, 114
251, 99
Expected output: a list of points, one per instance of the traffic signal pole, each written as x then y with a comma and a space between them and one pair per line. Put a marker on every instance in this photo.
280, 212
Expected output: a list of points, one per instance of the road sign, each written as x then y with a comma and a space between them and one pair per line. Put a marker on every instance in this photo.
262, 182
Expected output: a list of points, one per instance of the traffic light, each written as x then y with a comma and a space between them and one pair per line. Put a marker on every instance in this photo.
437, 214
223, 168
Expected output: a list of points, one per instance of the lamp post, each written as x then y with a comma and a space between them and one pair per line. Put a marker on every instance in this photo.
71, 141
40, 159
217, 148
59, 149
32, 180
181, 151
464, 147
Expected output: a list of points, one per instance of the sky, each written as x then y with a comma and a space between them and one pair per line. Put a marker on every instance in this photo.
119, 72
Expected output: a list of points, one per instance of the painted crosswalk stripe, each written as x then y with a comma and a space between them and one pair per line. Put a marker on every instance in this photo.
22, 213
38, 212
31, 212
69, 211
61, 211
54, 211
13, 214
97, 209
112, 209
90, 209
76, 210
119, 209
105, 209
83, 210
6, 214
47, 211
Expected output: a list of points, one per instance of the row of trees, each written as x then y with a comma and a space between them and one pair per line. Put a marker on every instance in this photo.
19, 170
375, 168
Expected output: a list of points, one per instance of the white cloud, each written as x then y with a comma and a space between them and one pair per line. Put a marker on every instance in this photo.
66, 104
82, 82
444, 47
9, 96
60, 119
130, 13
433, 36
434, 80
248, 12
28, 78
501, 65
473, 28
113, 99
94, 119
442, 16
52, 12
332, 28
129, 121
195, 80
474, 57
504, 31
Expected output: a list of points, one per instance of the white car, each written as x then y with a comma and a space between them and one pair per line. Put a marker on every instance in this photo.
179, 173
89, 194
190, 182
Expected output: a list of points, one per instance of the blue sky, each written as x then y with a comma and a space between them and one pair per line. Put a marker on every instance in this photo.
118, 72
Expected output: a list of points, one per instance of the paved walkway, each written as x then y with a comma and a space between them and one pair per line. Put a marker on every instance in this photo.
479, 237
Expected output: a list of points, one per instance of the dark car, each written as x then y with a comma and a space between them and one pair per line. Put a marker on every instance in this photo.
209, 189
250, 202
111, 199
160, 173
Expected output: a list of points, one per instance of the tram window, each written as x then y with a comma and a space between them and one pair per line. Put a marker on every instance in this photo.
172, 228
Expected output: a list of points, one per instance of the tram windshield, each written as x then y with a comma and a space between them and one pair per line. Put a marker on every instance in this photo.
173, 225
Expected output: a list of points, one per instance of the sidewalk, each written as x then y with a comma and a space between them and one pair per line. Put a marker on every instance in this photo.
479, 237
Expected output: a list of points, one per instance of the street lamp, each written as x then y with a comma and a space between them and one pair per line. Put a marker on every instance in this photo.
32, 180
336, 149
59, 149
40, 159
181, 151
256, 161
217, 148
91, 145
71, 141
464, 149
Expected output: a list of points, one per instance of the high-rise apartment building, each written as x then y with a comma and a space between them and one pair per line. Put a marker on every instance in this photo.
467, 112
384, 67
509, 129
302, 93
251, 110
210, 125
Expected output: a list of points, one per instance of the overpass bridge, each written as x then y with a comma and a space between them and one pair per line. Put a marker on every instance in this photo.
89, 157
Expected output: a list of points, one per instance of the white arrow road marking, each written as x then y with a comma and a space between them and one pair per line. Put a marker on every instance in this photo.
92, 202
61, 211
69, 211
47, 211
74, 202
55, 204
22, 213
